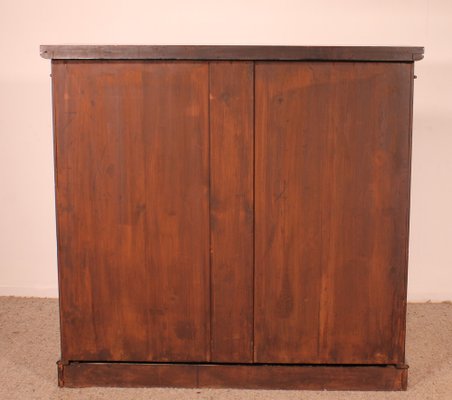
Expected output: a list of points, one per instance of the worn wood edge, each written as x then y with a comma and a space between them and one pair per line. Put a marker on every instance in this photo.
241, 376
60, 366
247, 53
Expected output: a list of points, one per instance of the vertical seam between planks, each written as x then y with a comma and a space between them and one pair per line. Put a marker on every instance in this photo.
147, 277
210, 215
253, 342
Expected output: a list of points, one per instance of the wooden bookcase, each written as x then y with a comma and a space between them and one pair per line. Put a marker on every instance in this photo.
233, 216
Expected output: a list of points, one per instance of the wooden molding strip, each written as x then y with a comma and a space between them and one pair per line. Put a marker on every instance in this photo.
250, 53
252, 376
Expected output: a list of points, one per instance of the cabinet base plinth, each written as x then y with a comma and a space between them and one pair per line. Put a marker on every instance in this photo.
246, 376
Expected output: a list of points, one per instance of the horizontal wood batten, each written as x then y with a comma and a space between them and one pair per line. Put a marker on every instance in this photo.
266, 376
250, 53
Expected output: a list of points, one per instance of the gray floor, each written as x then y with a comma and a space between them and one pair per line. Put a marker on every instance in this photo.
29, 349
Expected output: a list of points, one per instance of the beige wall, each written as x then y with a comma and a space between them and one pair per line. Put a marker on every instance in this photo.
27, 234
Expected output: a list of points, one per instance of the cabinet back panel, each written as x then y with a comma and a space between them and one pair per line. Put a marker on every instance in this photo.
331, 214
132, 177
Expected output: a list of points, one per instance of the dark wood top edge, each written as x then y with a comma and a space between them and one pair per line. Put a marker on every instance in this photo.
245, 53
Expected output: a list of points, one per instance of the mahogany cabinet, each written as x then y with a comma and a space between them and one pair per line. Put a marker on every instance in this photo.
233, 216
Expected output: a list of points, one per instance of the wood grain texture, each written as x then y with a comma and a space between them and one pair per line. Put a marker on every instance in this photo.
331, 212
234, 376
233, 222
132, 194
231, 197
247, 53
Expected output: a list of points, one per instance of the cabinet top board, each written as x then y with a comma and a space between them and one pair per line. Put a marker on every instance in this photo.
249, 53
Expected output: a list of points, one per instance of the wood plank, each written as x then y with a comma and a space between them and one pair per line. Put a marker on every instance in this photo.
266, 376
131, 148
177, 229
331, 212
231, 197
244, 53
